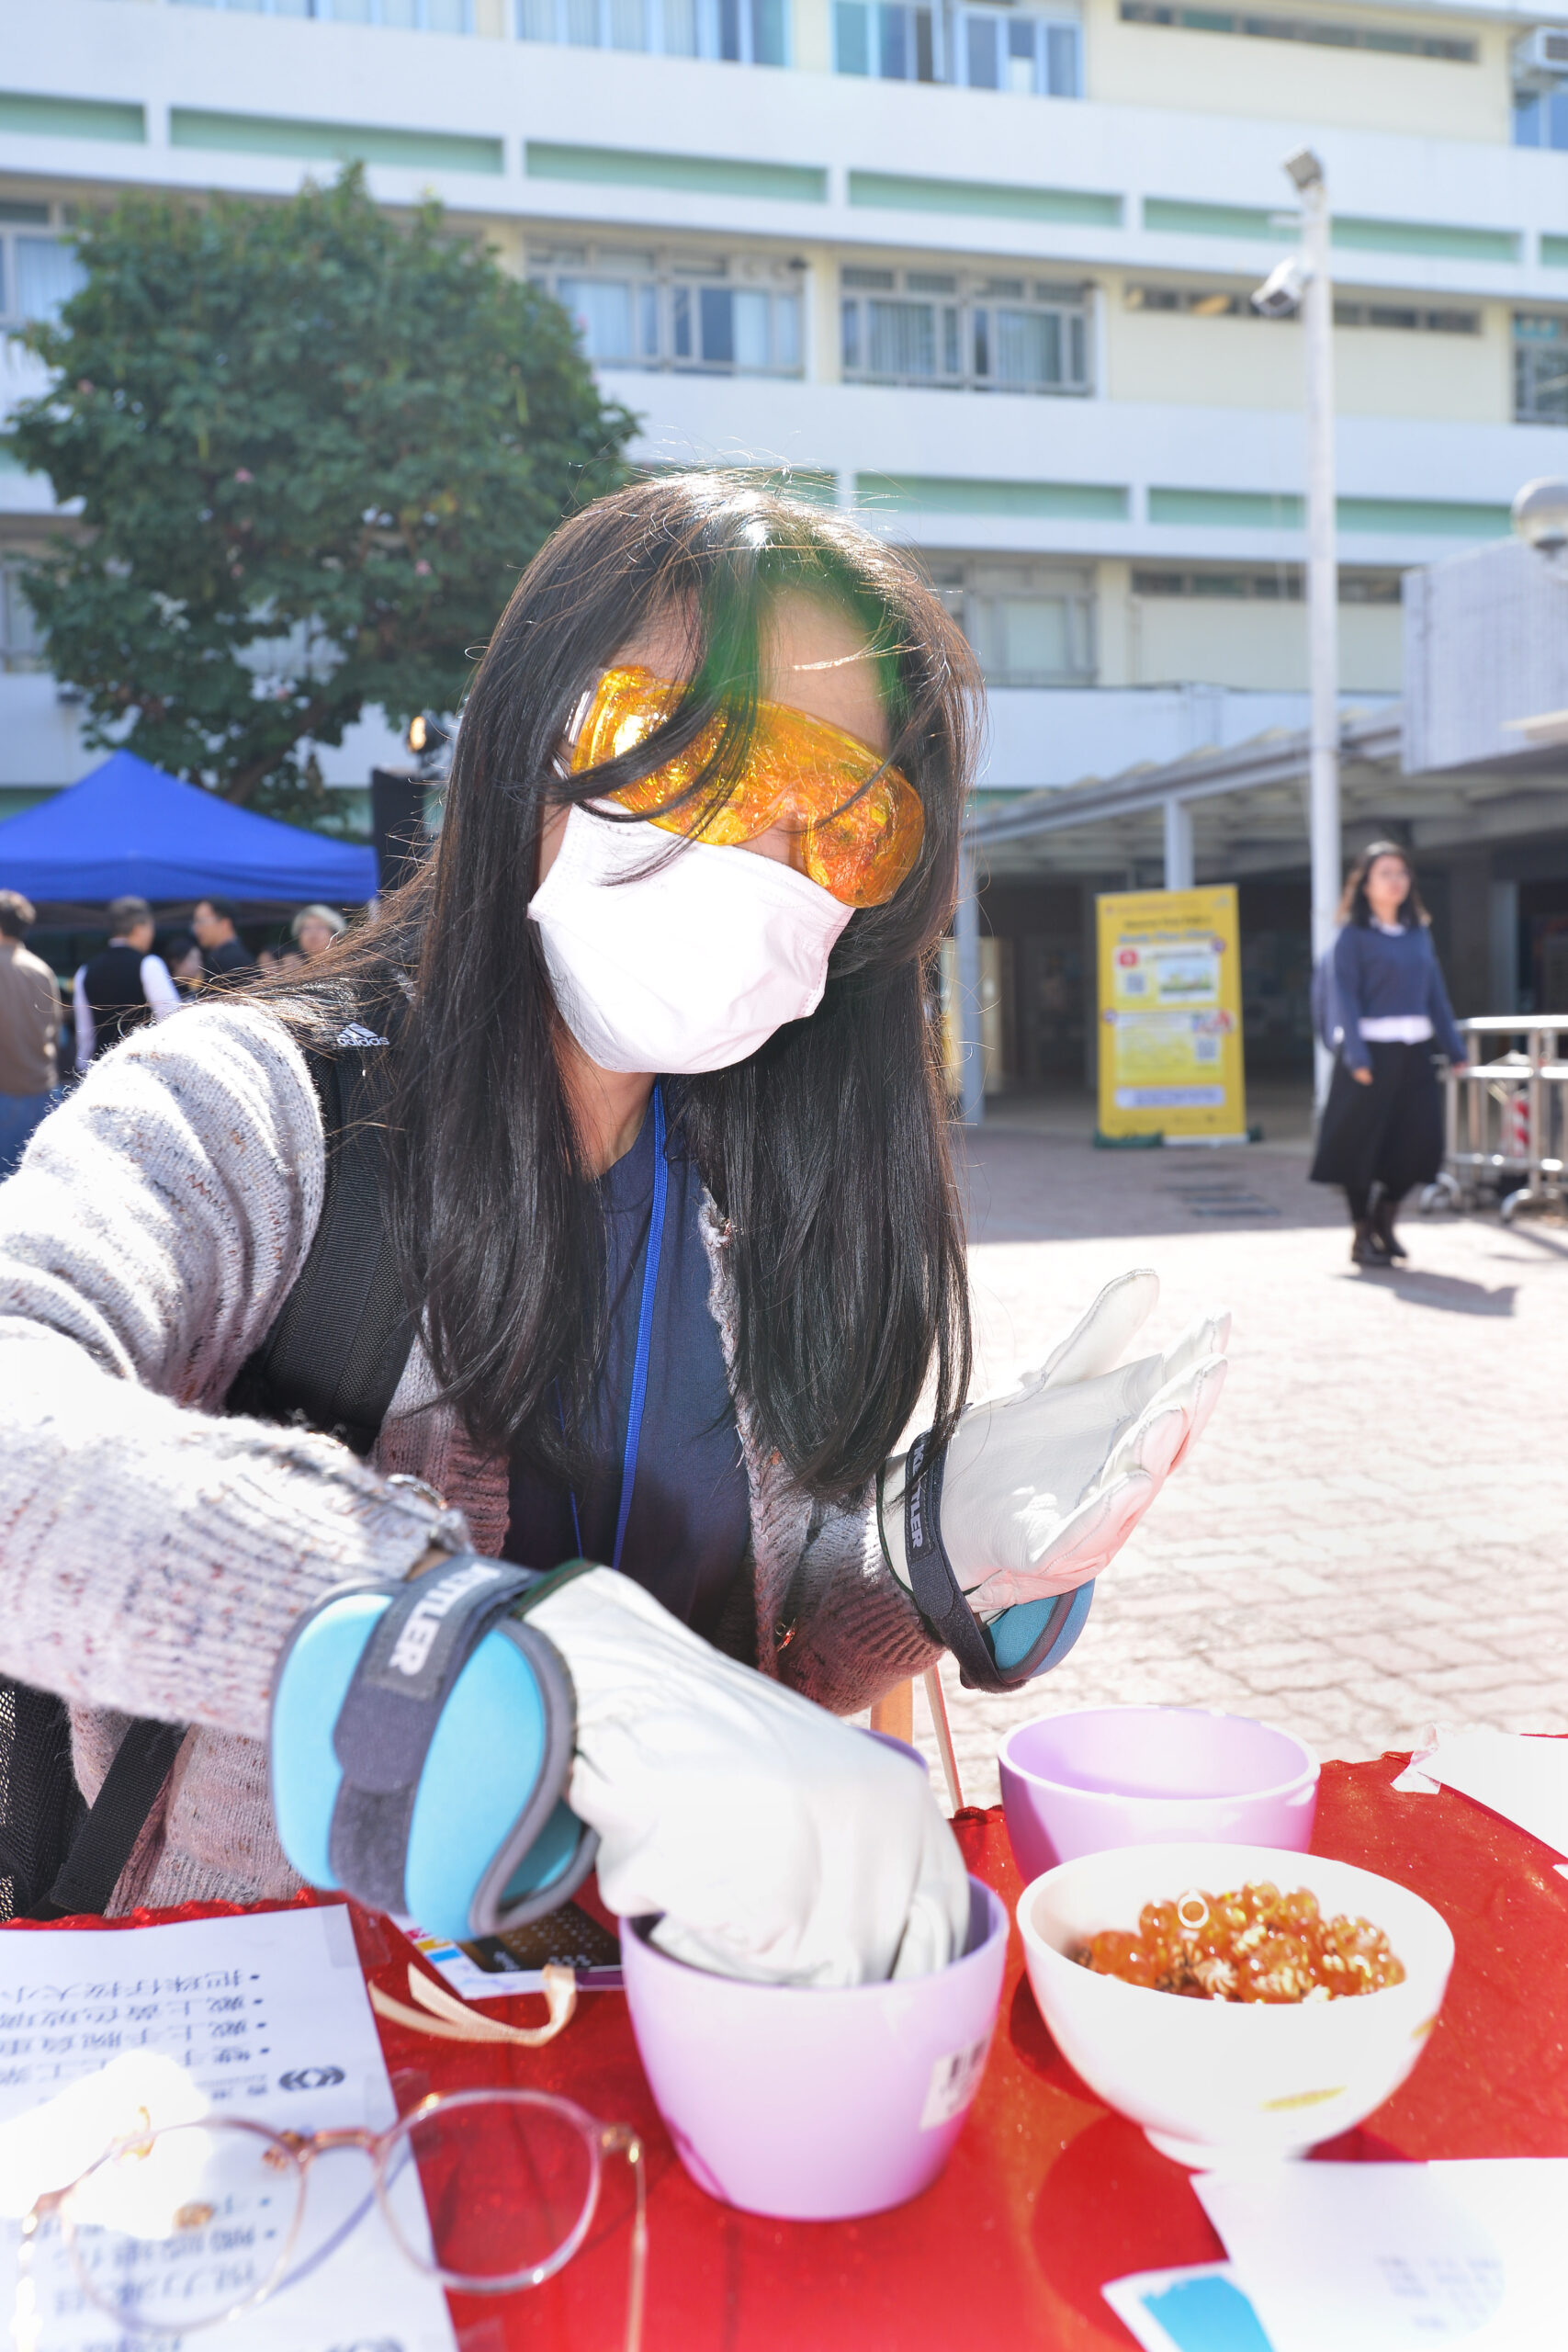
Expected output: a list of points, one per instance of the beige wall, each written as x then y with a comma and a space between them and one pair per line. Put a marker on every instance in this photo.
1113, 624
1157, 65
1213, 641
1161, 356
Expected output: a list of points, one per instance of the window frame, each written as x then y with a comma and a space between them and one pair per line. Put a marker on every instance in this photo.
726, 33
1056, 70
25, 220
676, 278
965, 336
971, 585
1529, 351
1317, 32
325, 12
15, 659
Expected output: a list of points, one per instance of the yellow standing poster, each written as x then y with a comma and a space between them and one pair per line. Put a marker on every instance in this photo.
1170, 1057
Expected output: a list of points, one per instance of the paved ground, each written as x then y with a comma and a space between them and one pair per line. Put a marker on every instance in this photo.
1373, 1534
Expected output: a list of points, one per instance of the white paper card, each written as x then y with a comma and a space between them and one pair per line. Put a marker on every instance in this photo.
1200, 2309
1398, 2257
264, 2016
1522, 1778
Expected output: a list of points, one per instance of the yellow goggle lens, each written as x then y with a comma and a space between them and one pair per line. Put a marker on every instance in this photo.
801, 773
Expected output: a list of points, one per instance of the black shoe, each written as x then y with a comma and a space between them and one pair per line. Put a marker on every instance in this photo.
1382, 1228
1367, 1246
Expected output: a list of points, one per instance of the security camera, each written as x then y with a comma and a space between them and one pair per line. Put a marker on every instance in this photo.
1281, 291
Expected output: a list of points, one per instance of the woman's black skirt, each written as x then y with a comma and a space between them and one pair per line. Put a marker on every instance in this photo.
1390, 1133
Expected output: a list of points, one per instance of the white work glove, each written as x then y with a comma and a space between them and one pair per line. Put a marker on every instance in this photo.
778, 1843
1044, 1486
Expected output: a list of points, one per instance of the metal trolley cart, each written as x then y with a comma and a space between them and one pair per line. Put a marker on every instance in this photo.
1506, 1118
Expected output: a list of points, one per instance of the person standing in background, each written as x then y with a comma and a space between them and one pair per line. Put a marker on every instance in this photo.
183, 957
1382, 1127
314, 929
124, 986
29, 1031
223, 952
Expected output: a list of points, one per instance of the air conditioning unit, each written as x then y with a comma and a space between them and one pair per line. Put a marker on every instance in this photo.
1541, 60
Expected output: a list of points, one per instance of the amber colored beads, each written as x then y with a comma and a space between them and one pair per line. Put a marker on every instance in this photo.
1250, 1944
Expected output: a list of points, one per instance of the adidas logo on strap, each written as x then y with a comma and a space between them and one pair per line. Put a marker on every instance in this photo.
357, 1034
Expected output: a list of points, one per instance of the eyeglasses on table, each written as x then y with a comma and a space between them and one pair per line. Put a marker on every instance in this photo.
182, 2226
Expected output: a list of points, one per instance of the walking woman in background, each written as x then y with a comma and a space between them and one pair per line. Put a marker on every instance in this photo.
1382, 1130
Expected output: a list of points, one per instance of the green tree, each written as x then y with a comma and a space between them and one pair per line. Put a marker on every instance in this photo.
313, 447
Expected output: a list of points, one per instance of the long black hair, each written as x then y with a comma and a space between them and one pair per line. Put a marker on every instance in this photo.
1355, 905
826, 1151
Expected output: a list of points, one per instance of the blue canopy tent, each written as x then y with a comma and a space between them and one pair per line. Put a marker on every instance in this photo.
129, 829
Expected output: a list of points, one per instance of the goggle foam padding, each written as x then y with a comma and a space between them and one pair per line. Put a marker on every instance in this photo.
1039, 1633
313, 1683
480, 1773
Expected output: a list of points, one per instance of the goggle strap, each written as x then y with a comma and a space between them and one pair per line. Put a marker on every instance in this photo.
401, 1680
940, 1599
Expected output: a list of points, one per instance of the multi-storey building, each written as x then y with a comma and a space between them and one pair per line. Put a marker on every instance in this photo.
980, 271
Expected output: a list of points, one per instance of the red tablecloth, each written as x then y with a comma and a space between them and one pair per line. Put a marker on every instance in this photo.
1047, 2194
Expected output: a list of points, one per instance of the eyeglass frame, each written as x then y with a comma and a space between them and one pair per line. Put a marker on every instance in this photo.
302, 2150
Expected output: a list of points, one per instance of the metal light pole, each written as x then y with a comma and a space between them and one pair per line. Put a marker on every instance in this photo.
1323, 573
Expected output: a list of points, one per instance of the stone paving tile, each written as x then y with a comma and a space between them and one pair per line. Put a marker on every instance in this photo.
1373, 1534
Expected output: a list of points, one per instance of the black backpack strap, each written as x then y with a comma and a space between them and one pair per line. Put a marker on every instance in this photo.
103, 1845
335, 1356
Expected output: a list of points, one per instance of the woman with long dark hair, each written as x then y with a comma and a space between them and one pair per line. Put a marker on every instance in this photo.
669, 1256
1383, 1126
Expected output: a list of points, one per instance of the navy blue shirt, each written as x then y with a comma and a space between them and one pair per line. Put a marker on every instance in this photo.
690, 1525
1378, 976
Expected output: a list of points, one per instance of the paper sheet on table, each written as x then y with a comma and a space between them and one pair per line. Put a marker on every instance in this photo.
1524, 1778
1200, 2309
264, 2016
1393, 2257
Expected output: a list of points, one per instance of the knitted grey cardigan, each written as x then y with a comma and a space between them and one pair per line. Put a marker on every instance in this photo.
153, 1555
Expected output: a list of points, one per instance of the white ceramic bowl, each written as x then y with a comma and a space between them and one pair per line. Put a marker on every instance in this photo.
1212, 2080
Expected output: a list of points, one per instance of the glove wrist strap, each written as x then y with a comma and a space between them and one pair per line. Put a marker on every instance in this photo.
1024, 1641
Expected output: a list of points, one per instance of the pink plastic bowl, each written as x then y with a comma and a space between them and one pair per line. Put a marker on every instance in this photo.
1152, 1776
815, 2104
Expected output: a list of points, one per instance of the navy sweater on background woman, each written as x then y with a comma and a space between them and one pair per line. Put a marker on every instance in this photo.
1383, 976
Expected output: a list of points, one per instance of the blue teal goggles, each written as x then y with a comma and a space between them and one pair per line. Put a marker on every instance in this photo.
420, 1744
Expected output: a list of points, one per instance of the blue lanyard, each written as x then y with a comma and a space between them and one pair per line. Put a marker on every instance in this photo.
644, 1337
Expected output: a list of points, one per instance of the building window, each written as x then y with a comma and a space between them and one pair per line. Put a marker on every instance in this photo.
895, 44
1206, 302
1540, 368
1031, 625
1393, 41
745, 32
1407, 318
938, 327
698, 312
1541, 118
406, 16
21, 640
1281, 583
39, 272
977, 49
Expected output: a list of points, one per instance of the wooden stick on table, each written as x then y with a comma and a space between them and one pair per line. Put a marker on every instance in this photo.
943, 1731
895, 1715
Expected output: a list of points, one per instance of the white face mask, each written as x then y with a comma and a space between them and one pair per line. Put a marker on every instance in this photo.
690, 967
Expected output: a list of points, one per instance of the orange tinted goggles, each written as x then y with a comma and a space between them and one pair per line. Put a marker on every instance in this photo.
859, 824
